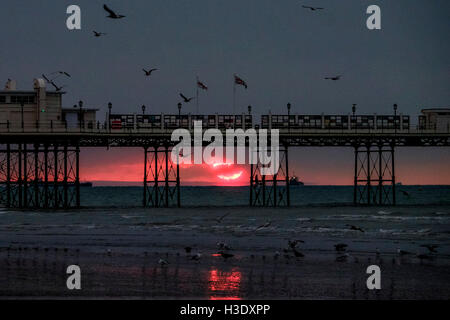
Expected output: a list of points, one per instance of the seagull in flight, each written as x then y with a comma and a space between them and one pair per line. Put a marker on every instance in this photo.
219, 219
112, 14
98, 34
312, 8
267, 224
149, 72
355, 228
336, 78
186, 100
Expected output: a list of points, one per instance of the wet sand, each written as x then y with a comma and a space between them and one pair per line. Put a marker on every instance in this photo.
119, 262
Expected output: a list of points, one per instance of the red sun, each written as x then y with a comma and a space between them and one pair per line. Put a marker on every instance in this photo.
227, 173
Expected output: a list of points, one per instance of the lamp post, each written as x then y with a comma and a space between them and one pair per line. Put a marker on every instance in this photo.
143, 109
179, 114
395, 118
109, 115
353, 118
289, 116
249, 110
80, 105
21, 106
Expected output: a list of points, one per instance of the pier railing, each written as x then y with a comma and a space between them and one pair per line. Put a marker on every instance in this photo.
62, 127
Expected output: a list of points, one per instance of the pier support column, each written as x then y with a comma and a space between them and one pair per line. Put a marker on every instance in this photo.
270, 190
374, 182
161, 178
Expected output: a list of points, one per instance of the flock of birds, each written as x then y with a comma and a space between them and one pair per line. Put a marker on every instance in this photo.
148, 72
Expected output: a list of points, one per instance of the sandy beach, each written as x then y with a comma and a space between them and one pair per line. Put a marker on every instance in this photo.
118, 251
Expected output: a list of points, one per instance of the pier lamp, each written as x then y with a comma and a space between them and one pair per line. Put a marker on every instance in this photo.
80, 105
143, 109
109, 115
249, 109
21, 107
289, 116
354, 111
179, 114
395, 117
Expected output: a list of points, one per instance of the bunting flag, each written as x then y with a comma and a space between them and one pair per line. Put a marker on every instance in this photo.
201, 85
239, 81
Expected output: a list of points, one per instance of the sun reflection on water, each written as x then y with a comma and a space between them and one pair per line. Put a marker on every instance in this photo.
224, 285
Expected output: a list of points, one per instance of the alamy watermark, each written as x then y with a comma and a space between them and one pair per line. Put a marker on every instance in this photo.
251, 141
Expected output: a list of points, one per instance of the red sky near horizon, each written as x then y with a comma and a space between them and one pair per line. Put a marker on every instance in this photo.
315, 166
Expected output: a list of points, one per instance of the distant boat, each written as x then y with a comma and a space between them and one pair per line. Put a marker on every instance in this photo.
295, 182
86, 184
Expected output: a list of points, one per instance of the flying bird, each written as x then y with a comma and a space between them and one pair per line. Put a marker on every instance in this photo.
98, 34
186, 100
336, 78
406, 194
312, 8
196, 257
112, 14
149, 72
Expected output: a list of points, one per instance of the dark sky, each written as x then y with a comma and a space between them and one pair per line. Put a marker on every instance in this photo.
282, 50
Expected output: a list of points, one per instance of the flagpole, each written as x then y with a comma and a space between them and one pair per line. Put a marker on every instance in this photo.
234, 94
196, 85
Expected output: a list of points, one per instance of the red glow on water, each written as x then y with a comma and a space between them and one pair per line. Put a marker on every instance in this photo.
224, 285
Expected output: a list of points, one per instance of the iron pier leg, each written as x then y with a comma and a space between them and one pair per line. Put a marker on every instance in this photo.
36, 176
156, 188
8, 175
77, 176
145, 177
251, 184
393, 175
166, 193
288, 195
178, 183
355, 185
55, 178
380, 174
25, 176
66, 186
46, 176
368, 176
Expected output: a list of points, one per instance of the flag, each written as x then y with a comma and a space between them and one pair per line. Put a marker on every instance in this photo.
201, 85
239, 81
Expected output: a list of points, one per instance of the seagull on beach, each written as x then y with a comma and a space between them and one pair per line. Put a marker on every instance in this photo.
265, 225
312, 8
430, 247
98, 34
355, 228
149, 72
219, 220
163, 262
197, 256
225, 255
342, 258
186, 100
340, 247
223, 246
292, 244
112, 14
403, 252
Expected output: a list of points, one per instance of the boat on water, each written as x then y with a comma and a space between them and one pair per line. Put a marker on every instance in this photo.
293, 181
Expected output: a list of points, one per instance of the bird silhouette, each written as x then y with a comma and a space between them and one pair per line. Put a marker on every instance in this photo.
98, 34
112, 14
355, 228
149, 72
340, 246
267, 224
406, 194
336, 78
430, 247
163, 262
312, 8
219, 219
186, 100
188, 249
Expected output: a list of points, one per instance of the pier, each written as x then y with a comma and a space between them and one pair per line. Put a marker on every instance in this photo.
39, 162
